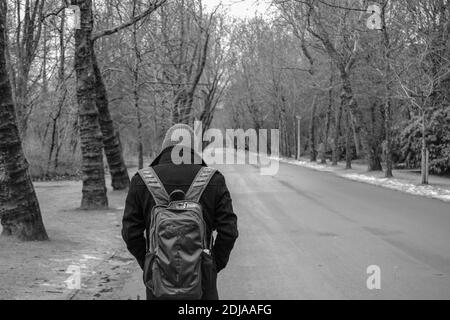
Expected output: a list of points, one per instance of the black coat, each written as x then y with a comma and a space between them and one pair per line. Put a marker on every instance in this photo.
216, 203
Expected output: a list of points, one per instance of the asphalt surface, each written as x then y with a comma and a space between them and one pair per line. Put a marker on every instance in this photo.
306, 234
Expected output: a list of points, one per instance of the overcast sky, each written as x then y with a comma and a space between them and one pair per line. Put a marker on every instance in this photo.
240, 8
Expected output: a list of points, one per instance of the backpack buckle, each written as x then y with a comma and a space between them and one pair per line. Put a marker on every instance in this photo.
182, 205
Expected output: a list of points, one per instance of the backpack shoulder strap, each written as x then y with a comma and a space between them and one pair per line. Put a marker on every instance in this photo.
200, 182
154, 185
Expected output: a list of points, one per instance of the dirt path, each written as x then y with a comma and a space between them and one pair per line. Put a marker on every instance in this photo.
88, 240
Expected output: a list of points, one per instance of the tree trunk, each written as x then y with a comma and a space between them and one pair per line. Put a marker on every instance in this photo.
312, 132
21, 99
283, 128
44, 63
372, 153
424, 152
56, 144
388, 151
119, 174
139, 124
54, 125
328, 121
337, 134
94, 188
19, 207
387, 99
357, 141
138, 60
62, 91
348, 138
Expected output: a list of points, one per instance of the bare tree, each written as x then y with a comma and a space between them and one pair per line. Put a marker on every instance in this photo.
113, 151
321, 20
29, 21
91, 138
20, 214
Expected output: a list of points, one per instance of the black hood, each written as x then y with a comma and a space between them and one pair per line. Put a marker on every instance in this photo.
165, 156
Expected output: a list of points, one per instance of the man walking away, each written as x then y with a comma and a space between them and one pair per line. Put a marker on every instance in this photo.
170, 214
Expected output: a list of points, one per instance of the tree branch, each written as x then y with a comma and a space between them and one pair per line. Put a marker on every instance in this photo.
153, 7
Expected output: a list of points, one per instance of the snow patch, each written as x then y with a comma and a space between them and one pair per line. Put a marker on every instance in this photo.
429, 191
394, 184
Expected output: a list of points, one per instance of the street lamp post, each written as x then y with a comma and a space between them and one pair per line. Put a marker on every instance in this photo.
299, 150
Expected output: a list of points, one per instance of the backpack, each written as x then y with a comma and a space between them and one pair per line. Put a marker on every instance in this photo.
178, 251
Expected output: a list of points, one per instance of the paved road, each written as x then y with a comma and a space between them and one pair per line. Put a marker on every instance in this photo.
311, 235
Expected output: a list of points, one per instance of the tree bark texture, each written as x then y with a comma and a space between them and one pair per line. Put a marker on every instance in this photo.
91, 138
119, 174
20, 214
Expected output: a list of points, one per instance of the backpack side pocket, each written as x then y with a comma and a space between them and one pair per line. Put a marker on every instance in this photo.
148, 273
209, 277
